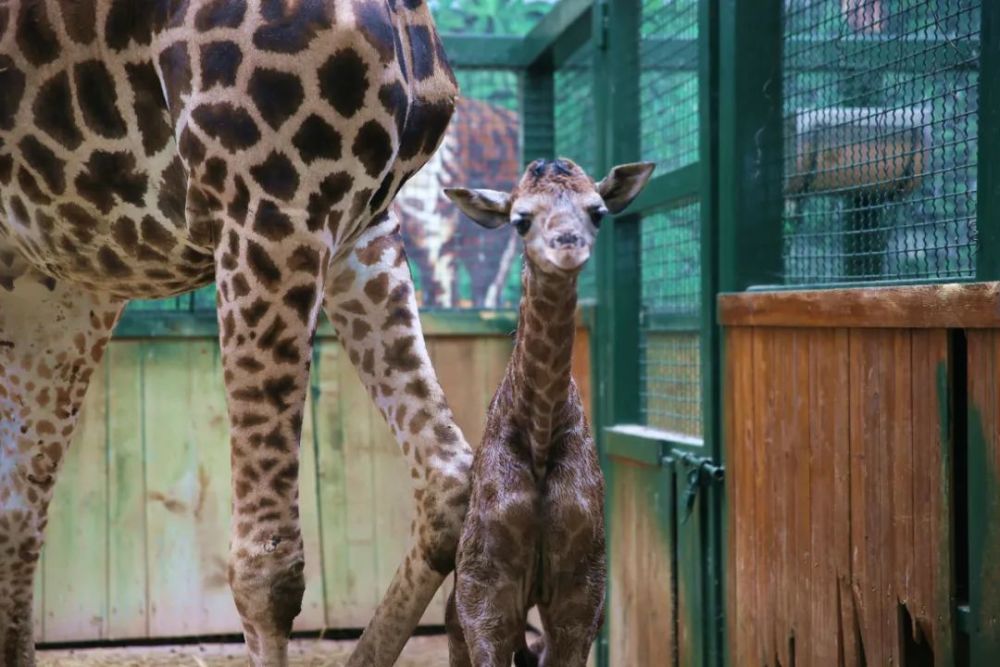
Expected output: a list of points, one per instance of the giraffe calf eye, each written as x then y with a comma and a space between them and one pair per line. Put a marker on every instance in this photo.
597, 214
522, 223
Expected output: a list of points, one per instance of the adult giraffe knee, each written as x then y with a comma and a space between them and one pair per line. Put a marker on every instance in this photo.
52, 338
370, 300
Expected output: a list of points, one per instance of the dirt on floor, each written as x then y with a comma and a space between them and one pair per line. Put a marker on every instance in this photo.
430, 651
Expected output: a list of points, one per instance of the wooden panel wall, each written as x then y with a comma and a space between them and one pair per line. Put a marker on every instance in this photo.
641, 601
138, 537
984, 501
839, 529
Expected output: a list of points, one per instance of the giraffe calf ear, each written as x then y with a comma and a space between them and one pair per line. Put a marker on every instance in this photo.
489, 208
623, 184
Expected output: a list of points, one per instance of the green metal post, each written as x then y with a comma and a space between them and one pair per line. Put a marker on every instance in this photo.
988, 191
750, 144
616, 71
745, 246
618, 268
711, 368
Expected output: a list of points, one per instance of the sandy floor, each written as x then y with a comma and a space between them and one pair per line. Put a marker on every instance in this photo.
419, 652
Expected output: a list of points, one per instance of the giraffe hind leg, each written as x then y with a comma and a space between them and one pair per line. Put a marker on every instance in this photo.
52, 337
371, 302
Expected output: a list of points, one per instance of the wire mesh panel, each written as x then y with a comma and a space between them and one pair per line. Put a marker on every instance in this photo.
668, 83
670, 385
880, 102
576, 129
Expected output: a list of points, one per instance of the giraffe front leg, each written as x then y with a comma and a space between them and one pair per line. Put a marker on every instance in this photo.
370, 300
52, 337
269, 300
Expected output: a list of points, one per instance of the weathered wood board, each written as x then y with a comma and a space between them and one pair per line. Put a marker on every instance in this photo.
138, 537
839, 502
641, 599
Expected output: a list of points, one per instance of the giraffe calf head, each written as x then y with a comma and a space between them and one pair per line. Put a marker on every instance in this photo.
557, 208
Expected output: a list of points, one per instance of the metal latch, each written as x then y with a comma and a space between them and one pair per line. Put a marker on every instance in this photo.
701, 471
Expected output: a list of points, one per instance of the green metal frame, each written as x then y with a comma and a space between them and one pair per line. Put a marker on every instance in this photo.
737, 183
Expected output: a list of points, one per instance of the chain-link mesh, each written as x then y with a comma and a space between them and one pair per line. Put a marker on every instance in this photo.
880, 140
670, 389
668, 83
576, 130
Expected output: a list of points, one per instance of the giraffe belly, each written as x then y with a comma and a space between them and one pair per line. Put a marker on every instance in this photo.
128, 249
105, 210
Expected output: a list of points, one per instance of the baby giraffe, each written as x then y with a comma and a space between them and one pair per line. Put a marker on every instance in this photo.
534, 532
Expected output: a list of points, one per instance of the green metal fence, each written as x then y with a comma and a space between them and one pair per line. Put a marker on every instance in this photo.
798, 143
880, 106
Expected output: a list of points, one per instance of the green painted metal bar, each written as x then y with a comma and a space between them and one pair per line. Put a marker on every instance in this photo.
850, 54
713, 505
633, 437
567, 17
484, 51
750, 143
618, 274
178, 324
598, 364
674, 186
624, 445
988, 189
654, 321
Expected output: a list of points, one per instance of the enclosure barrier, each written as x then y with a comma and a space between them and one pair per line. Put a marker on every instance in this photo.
799, 420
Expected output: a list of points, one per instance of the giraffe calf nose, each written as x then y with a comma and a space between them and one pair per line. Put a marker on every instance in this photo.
568, 239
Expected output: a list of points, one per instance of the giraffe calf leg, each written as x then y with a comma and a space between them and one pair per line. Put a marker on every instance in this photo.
52, 338
370, 300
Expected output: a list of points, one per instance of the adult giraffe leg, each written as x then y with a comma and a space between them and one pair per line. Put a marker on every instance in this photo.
52, 337
267, 316
370, 300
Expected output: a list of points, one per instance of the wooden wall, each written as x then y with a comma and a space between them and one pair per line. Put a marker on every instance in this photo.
839, 502
862, 436
641, 602
138, 537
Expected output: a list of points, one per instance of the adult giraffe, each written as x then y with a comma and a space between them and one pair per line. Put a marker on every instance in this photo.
148, 148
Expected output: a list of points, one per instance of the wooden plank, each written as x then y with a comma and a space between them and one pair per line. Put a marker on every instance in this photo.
454, 361
640, 609
886, 511
861, 362
971, 305
822, 645
924, 457
313, 616
204, 489
331, 483
800, 485
782, 478
582, 369
839, 368
741, 611
171, 479
938, 361
127, 603
899, 570
356, 416
764, 408
75, 567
